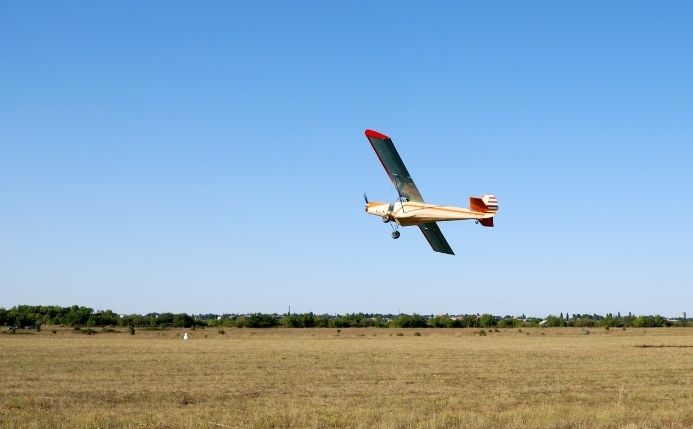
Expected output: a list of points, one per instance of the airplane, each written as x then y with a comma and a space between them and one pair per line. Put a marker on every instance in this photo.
411, 209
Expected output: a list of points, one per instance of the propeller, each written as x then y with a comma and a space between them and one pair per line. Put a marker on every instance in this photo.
365, 197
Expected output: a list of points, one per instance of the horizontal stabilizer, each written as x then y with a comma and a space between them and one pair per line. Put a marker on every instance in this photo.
488, 222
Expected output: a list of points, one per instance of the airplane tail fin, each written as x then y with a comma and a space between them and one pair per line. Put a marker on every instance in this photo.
488, 204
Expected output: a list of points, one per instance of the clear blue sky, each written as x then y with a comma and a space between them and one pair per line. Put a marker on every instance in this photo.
210, 157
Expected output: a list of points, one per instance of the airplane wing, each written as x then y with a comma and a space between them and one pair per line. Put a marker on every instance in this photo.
395, 168
435, 238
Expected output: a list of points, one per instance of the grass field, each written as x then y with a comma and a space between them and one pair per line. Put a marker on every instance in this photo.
354, 378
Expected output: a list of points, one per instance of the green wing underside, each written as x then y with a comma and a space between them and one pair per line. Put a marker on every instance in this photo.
395, 168
435, 238
405, 186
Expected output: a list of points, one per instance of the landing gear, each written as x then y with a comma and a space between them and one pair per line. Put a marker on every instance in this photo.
393, 223
476, 222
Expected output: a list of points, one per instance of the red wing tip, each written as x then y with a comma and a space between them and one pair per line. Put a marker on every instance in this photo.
376, 135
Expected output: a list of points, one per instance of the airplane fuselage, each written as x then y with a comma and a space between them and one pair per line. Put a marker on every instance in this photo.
414, 213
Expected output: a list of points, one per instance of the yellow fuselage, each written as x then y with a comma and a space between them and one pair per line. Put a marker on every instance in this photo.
413, 213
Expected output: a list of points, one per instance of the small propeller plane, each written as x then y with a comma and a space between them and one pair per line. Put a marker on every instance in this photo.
410, 209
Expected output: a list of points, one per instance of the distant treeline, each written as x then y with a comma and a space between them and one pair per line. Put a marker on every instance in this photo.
33, 316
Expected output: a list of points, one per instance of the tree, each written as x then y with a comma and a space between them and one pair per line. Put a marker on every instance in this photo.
509, 322
441, 321
183, 320
487, 321
413, 321
258, 320
554, 321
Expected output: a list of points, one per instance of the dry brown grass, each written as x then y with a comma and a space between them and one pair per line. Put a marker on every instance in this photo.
357, 378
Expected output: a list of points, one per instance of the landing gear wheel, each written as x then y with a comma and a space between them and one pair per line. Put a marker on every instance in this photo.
386, 218
476, 222
395, 234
